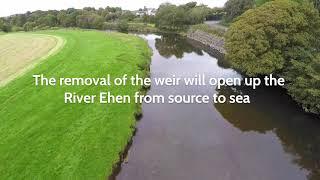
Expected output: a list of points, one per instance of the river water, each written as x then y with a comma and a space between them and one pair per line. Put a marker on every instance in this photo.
269, 139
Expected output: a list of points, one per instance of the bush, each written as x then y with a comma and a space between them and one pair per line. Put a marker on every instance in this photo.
6, 28
265, 39
123, 26
29, 26
280, 37
17, 29
41, 27
235, 8
141, 27
110, 26
304, 83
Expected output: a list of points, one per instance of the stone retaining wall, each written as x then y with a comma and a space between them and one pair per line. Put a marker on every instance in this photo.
207, 39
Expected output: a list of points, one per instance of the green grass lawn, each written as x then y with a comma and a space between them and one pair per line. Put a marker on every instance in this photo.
43, 138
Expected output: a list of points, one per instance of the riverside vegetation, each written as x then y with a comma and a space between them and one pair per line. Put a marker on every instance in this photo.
280, 37
44, 138
168, 17
257, 42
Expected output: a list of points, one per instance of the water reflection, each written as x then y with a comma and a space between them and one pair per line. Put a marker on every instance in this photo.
272, 110
169, 45
269, 139
222, 63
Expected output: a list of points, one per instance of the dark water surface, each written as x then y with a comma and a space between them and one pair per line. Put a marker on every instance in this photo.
269, 139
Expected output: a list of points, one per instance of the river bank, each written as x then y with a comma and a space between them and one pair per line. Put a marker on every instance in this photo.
214, 42
40, 131
226, 141
208, 35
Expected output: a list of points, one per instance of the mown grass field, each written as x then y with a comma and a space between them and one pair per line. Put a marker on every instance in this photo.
43, 138
20, 52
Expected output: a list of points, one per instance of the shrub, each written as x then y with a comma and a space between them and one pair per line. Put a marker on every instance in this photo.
265, 39
304, 83
29, 26
123, 26
17, 29
235, 8
110, 26
280, 37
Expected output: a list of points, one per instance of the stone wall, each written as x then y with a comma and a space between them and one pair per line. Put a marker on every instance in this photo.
214, 42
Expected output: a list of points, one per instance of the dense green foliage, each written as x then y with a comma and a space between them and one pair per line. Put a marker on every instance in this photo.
316, 3
215, 14
303, 78
235, 8
263, 40
131, 27
280, 37
44, 138
260, 2
172, 17
4, 26
87, 18
123, 26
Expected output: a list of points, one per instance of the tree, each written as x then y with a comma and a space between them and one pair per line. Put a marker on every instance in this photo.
148, 19
127, 15
198, 14
235, 8
4, 26
1, 24
62, 17
89, 20
171, 17
29, 26
190, 5
316, 4
48, 20
112, 16
304, 82
280, 37
18, 20
123, 26
215, 14
264, 39
261, 2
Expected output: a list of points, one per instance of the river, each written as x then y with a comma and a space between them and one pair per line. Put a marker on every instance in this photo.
269, 139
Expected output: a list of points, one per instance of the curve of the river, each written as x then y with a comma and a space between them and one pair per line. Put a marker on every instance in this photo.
269, 139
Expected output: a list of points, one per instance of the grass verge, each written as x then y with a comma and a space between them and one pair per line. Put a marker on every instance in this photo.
43, 138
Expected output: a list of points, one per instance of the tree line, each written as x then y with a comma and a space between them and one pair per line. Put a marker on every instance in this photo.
234, 8
89, 18
168, 16
172, 17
